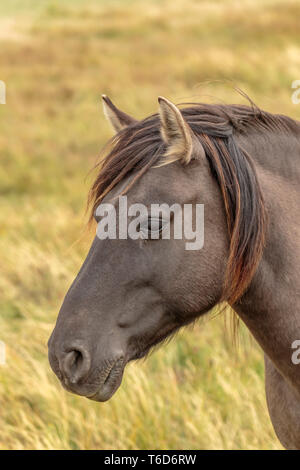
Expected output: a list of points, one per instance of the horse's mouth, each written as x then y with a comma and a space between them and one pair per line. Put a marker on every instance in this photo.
110, 383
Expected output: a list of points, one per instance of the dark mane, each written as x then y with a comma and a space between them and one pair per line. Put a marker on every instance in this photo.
140, 146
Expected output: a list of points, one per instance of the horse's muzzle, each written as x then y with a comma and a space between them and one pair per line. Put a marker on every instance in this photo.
75, 369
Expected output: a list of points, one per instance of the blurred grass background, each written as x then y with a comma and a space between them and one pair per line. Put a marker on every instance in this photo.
56, 58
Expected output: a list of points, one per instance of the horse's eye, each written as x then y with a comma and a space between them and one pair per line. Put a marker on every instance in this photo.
155, 225
152, 227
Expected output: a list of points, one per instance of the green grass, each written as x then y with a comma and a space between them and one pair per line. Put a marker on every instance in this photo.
57, 57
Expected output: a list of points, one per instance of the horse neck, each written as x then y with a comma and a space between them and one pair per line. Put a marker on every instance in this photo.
271, 306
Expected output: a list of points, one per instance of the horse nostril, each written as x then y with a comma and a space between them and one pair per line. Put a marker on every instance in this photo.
76, 364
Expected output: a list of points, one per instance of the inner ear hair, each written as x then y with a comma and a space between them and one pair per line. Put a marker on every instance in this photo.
175, 132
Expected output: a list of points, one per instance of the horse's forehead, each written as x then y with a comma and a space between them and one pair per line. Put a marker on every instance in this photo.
155, 184
117, 190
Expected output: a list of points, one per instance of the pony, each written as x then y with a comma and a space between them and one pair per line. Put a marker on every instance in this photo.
242, 164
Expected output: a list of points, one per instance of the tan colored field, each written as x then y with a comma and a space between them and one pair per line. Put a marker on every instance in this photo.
56, 58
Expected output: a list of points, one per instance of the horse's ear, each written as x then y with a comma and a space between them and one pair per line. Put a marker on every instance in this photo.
118, 119
175, 132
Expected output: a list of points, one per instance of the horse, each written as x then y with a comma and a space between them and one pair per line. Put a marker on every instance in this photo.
242, 164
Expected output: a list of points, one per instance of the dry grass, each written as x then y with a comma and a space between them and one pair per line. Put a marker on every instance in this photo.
57, 57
